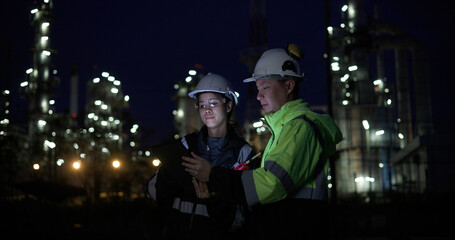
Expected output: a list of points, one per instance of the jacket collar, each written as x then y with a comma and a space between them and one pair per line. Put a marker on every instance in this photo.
229, 138
287, 112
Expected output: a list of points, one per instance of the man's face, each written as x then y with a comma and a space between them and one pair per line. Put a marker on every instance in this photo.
272, 94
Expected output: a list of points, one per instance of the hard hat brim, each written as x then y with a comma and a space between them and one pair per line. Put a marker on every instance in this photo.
194, 93
230, 95
249, 80
274, 77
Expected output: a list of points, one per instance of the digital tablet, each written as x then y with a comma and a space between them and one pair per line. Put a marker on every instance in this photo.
170, 155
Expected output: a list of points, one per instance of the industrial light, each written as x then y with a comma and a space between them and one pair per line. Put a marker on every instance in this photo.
49, 144
365, 124
156, 162
192, 72
42, 123
105, 74
180, 113
335, 66
134, 128
344, 8
258, 124
188, 79
379, 132
364, 179
60, 162
352, 68
344, 78
77, 164
116, 163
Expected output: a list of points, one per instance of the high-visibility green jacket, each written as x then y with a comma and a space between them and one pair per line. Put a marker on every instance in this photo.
295, 161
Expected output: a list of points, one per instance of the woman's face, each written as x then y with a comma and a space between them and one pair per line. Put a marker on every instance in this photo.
213, 109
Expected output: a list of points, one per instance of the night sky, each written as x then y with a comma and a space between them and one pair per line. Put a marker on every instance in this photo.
150, 45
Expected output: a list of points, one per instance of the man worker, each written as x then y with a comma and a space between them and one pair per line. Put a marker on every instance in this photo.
288, 192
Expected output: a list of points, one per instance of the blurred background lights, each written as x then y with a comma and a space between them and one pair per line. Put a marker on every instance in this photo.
156, 162
116, 163
77, 164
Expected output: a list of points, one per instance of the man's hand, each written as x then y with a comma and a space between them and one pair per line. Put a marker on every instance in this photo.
197, 167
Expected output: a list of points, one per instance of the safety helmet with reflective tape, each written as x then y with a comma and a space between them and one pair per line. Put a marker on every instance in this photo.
215, 83
278, 62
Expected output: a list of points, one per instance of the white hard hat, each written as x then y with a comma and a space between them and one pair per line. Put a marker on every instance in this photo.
215, 83
278, 62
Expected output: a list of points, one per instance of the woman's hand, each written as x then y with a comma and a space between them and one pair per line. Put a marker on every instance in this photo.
202, 190
197, 167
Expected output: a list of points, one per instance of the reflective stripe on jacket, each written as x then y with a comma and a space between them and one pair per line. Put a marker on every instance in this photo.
294, 163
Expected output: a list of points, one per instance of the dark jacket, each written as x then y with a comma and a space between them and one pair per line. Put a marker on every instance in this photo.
190, 217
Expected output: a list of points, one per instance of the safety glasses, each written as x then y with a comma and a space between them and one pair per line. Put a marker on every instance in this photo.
212, 103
